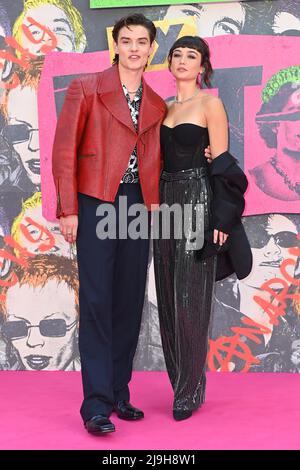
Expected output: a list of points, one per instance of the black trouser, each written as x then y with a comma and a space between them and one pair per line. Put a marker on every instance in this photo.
184, 286
112, 276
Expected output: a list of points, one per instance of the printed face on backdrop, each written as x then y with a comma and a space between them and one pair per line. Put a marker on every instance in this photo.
286, 24
2, 32
270, 245
42, 332
279, 123
133, 47
211, 20
5, 263
22, 129
2, 46
288, 132
56, 20
295, 355
287, 18
38, 235
5, 30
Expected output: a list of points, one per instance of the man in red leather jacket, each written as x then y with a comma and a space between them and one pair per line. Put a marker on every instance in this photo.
107, 146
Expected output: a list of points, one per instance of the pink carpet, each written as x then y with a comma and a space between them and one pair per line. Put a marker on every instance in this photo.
39, 410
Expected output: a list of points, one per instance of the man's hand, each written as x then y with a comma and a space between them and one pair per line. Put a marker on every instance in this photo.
68, 226
207, 154
221, 236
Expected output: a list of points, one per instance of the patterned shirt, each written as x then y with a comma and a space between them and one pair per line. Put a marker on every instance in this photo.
131, 175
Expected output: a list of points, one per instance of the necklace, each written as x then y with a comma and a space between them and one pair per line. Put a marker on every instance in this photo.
130, 91
187, 99
292, 186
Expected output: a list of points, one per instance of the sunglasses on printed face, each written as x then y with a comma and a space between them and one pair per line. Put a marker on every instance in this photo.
17, 133
17, 329
260, 238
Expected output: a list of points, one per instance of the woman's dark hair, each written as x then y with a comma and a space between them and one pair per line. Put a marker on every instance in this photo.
137, 19
197, 43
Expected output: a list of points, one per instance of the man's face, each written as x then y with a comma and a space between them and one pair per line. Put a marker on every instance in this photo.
286, 24
288, 132
57, 22
23, 129
133, 47
211, 20
46, 235
49, 346
270, 246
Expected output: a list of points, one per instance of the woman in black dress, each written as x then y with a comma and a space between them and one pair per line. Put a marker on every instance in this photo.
211, 198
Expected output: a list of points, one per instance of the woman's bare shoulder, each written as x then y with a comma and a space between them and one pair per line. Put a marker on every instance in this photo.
211, 100
213, 104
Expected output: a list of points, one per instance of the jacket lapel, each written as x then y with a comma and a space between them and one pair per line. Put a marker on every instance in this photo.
152, 108
112, 96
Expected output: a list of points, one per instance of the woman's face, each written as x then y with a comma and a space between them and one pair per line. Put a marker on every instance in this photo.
288, 132
270, 246
185, 64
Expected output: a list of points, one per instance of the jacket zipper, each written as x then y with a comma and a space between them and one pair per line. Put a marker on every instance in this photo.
59, 199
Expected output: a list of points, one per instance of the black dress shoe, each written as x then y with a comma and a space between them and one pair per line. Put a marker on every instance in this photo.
126, 411
180, 415
99, 424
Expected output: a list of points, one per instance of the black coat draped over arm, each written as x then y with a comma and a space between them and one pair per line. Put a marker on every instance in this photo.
229, 183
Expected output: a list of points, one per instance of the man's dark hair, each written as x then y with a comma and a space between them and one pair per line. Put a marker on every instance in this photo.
137, 19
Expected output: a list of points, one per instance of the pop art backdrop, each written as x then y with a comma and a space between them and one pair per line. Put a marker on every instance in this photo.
254, 45
139, 3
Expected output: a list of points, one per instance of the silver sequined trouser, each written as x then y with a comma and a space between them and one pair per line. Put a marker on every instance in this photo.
184, 286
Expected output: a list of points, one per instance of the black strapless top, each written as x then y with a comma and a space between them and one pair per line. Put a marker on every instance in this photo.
183, 146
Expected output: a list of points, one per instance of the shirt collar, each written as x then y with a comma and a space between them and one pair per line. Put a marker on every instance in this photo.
138, 94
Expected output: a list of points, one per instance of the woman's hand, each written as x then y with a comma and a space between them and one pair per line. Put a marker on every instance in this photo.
207, 154
220, 237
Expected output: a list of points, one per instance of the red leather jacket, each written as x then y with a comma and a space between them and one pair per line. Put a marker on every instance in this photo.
95, 137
